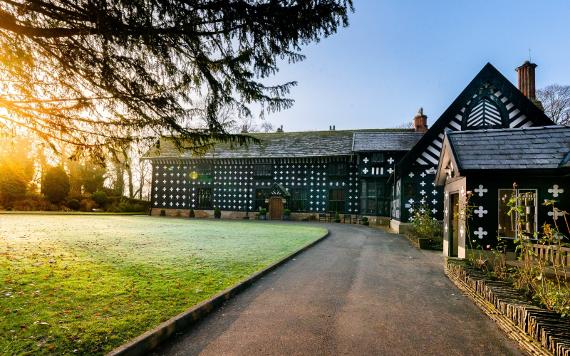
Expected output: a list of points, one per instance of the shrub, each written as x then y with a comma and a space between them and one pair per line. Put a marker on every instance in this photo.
125, 205
191, 214
336, 217
56, 184
365, 221
287, 212
217, 213
12, 188
262, 211
100, 197
425, 226
87, 204
73, 204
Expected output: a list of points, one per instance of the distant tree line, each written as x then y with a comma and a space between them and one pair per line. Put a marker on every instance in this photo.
33, 178
556, 102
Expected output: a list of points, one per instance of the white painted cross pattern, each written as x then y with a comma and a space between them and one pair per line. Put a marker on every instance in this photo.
365, 170
555, 190
390, 160
480, 233
556, 213
422, 183
480, 211
481, 190
365, 160
411, 175
390, 170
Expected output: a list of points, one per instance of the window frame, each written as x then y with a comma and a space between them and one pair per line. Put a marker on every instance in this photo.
337, 169
263, 170
293, 204
500, 212
199, 198
335, 202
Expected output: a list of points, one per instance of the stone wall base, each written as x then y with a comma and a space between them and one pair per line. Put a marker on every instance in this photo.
399, 227
204, 214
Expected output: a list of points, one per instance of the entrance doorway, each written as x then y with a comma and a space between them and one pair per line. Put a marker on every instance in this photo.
453, 236
275, 208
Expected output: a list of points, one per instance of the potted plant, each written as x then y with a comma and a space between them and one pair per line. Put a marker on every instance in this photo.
287, 214
262, 214
365, 221
191, 214
217, 213
336, 217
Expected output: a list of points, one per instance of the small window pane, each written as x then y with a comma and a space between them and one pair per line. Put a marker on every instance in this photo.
336, 200
523, 203
204, 196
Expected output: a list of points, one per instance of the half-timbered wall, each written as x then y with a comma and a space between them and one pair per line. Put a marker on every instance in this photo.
484, 189
316, 184
374, 169
487, 108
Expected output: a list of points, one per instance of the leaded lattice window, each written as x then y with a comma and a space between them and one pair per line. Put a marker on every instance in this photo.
298, 199
336, 200
263, 170
204, 198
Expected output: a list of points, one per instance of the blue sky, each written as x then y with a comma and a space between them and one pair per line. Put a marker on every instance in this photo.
399, 55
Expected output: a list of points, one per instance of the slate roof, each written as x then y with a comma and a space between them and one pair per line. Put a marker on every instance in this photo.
275, 145
526, 148
385, 141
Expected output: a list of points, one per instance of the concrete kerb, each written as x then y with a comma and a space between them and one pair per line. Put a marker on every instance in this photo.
146, 342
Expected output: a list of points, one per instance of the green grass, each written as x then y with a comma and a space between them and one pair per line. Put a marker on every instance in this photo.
86, 284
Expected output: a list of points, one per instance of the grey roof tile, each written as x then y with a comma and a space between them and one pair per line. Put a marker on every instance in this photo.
385, 141
293, 144
528, 148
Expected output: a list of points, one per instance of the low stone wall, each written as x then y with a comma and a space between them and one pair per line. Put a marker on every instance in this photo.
538, 331
204, 214
399, 227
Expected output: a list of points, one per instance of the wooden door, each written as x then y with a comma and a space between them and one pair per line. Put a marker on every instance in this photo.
454, 225
275, 208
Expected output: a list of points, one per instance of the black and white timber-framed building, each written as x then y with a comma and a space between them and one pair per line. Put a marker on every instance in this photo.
386, 173
490, 171
321, 171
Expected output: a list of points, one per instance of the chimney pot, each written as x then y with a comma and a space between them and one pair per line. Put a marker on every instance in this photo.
420, 121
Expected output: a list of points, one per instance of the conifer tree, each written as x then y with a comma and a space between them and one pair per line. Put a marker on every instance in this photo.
101, 73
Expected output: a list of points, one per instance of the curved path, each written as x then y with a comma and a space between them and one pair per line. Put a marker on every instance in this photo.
359, 292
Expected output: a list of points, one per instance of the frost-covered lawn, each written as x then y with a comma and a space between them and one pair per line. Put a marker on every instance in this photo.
86, 284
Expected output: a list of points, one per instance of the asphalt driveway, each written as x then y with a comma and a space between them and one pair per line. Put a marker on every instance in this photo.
359, 292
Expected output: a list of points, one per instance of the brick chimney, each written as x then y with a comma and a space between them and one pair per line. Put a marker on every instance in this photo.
420, 121
527, 80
